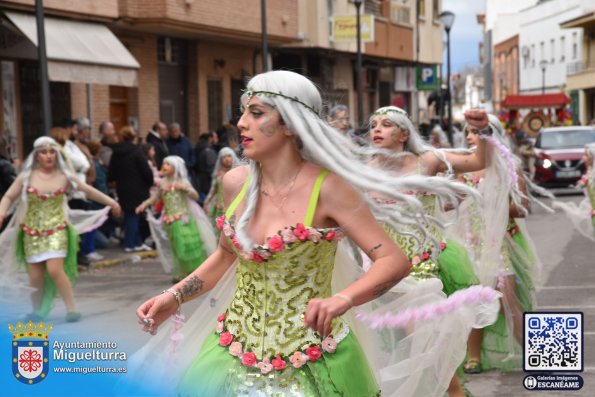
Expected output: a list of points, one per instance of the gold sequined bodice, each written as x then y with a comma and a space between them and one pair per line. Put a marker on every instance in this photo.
266, 313
44, 212
590, 190
174, 203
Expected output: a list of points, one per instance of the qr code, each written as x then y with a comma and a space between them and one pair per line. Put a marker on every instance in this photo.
553, 342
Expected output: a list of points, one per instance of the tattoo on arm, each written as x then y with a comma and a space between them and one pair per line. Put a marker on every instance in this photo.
383, 288
191, 286
374, 248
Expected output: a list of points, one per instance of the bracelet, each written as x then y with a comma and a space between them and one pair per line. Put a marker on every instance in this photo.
345, 297
176, 295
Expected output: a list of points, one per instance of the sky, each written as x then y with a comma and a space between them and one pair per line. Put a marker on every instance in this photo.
466, 33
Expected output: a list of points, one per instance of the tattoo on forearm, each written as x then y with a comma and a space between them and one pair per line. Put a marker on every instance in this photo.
383, 288
374, 248
226, 249
193, 285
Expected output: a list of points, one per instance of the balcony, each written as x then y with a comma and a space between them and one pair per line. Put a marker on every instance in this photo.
205, 18
97, 9
580, 74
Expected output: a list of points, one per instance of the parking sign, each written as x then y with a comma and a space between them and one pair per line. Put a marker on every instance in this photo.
427, 78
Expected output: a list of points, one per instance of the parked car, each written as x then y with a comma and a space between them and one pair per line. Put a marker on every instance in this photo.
558, 152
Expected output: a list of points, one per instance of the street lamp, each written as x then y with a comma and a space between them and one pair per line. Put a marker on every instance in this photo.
264, 37
358, 65
543, 65
448, 18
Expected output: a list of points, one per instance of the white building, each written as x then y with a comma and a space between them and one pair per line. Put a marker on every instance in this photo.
546, 46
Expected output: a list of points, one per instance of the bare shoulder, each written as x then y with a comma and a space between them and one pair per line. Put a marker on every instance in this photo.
336, 192
233, 181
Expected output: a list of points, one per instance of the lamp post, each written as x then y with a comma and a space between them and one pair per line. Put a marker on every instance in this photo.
43, 68
543, 65
358, 65
265, 43
448, 18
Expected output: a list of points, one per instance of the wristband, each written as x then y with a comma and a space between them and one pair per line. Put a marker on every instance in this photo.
176, 295
346, 298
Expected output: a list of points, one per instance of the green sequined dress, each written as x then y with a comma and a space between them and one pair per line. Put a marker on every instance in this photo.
260, 346
590, 191
218, 205
184, 236
45, 234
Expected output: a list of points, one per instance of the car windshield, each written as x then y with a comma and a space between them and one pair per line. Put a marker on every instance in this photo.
565, 139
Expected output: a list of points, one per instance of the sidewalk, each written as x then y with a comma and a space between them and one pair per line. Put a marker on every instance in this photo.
115, 255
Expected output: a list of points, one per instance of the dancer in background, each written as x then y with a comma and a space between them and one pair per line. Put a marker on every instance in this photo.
43, 233
189, 237
214, 205
583, 215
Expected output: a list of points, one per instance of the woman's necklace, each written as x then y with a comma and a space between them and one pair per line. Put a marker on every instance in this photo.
46, 176
278, 198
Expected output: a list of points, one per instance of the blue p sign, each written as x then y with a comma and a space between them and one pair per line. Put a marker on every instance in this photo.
426, 78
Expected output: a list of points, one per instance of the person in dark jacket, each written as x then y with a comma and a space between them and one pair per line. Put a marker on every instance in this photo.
130, 171
158, 137
206, 159
7, 172
180, 145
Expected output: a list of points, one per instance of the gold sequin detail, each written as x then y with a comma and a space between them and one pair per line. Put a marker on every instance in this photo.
174, 202
44, 214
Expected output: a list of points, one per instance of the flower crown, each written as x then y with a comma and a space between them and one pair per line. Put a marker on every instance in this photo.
386, 110
250, 93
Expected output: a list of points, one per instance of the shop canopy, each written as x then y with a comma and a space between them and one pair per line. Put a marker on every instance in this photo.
81, 52
556, 100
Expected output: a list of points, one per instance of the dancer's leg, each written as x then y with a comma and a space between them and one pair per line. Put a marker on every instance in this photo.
56, 271
36, 277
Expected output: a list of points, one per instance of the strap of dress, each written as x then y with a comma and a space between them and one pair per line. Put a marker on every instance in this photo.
232, 207
314, 198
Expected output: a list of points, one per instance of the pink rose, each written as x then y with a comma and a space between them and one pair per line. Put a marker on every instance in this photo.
222, 316
330, 235
255, 257
227, 230
329, 345
235, 349
279, 363
298, 359
220, 221
265, 366
219, 327
415, 260
288, 236
425, 256
442, 245
313, 353
225, 338
276, 244
315, 236
301, 232
264, 254
235, 242
249, 359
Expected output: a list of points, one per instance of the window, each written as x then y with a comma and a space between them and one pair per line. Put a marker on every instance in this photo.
552, 51
562, 48
422, 8
542, 51
532, 55
168, 50
435, 9
574, 45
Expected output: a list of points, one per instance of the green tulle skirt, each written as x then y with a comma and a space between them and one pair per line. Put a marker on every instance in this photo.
216, 373
499, 349
187, 247
50, 289
456, 270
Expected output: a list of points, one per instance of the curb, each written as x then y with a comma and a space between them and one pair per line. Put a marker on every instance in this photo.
125, 259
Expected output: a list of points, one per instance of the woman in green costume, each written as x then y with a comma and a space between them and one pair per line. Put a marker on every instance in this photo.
189, 235
43, 234
284, 330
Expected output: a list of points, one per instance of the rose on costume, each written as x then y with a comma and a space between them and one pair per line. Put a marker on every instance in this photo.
220, 221
313, 353
222, 316
288, 236
415, 260
315, 236
235, 349
276, 244
298, 359
330, 235
265, 366
278, 363
220, 327
225, 338
254, 256
301, 232
227, 229
249, 359
329, 345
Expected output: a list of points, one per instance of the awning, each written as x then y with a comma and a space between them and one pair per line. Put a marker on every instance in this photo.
81, 52
535, 101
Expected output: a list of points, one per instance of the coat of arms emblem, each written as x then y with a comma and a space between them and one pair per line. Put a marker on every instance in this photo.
30, 351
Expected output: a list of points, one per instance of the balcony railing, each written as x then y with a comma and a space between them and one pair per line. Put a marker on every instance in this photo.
577, 67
